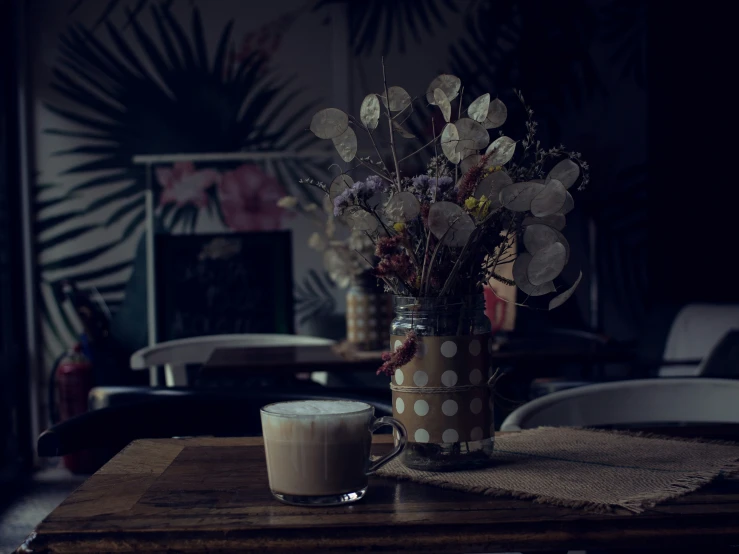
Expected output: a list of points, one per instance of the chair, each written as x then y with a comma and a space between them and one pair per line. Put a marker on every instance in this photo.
176, 355
636, 402
723, 361
695, 332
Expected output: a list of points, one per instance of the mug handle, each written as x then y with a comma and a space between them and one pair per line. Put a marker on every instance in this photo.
402, 439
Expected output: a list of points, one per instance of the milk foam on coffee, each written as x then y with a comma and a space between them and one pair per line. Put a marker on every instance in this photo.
317, 447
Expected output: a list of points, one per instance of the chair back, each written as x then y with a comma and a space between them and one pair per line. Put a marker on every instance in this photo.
686, 400
176, 355
695, 331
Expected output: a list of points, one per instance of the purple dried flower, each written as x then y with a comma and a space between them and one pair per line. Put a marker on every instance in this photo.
343, 200
425, 187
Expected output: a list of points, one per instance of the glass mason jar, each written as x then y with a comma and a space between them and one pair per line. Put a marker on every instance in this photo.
442, 395
369, 311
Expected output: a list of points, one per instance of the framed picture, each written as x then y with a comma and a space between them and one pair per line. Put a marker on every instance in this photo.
223, 283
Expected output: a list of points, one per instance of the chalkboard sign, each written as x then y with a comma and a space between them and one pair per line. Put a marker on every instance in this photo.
221, 284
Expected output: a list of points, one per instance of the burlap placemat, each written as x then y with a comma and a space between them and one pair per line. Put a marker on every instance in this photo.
593, 470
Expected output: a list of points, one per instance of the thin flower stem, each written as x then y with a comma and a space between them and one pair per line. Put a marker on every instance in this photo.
403, 110
390, 125
374, 144
436, 251
379, 220
515, 303
502, 246
458, 263
428, 235
459, 115
429, 143
373, 170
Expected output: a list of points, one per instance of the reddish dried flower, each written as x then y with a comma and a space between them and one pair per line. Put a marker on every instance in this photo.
403, 355
436, 282
471, 179
383, 269
425, 207
387, 246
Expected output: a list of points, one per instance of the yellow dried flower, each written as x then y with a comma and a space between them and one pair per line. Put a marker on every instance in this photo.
399, 227
483, 207
287, 202
470, 203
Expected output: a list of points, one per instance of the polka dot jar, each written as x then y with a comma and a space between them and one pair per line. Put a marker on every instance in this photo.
369, 312
442, 395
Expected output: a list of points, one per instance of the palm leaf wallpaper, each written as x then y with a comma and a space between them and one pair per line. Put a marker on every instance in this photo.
133, 77
147, 92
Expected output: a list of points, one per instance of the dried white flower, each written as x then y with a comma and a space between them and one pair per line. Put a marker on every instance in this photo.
287, 202
316, 242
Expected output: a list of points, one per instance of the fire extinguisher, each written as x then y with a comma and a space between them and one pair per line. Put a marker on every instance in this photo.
73, 380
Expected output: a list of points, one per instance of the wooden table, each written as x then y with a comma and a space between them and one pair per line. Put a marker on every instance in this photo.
211, 495
287, 360
302, 359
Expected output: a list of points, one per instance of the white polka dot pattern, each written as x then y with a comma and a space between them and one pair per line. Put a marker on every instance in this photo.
421, 407
399, 405
421, 435
449, 349
449, 407
454, 415
450, 435
449, 378
420, 378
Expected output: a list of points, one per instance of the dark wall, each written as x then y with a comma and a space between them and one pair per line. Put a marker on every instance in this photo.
14, 412
692, 136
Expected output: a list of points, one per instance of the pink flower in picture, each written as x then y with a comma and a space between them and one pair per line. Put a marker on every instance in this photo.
182, 184
249, 199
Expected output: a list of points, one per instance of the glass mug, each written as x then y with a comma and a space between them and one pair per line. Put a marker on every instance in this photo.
318, 451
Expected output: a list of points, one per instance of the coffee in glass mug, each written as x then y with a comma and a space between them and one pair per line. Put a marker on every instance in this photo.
318, 451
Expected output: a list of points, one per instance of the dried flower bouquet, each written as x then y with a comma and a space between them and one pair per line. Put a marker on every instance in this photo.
444, 233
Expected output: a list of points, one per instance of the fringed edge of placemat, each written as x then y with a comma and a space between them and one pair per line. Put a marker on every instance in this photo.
685, 485
635, 504
681, 487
